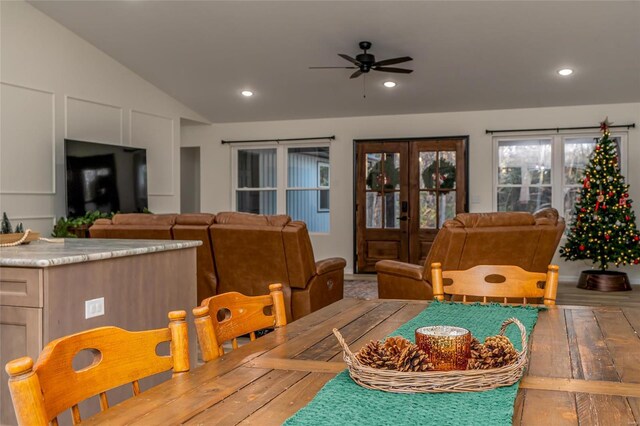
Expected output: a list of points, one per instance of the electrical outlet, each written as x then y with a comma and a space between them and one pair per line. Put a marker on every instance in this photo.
94, 307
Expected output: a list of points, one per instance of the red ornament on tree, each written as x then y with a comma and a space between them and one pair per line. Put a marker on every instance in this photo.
636, 261
581, 247
607, 237
636, 238
611, 194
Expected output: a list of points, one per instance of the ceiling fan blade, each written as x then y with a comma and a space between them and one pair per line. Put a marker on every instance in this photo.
349, 58
342, 68
398, 70
356, 74
393, 61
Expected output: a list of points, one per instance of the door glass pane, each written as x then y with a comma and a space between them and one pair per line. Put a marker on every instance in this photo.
392, 210
447, 170
447, 206
392, 171
257, 168
306, 205
373, 171
427, 162
374, 210
259, 202
428, 210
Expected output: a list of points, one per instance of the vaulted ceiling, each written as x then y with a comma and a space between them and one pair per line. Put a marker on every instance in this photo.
473, 55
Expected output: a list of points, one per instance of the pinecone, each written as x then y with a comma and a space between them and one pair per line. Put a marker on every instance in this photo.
500, 350
413, 359
497, 351
475, 360
394, 346
374, 355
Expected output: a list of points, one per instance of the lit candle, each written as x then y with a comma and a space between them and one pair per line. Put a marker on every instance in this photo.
448, 347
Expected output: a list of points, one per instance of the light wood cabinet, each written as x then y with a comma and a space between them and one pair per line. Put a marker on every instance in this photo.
38, 305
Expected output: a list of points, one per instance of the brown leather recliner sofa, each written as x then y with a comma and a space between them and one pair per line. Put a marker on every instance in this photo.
504, 238
245, 253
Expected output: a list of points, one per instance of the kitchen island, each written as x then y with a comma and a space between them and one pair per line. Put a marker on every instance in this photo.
50, 290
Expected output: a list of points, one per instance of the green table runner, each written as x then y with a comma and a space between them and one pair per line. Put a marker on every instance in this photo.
341, 401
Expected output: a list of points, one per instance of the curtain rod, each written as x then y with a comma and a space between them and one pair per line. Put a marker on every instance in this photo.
283, 140
557, 129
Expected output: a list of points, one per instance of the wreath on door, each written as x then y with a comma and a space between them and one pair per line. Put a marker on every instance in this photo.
445, 175
379, 179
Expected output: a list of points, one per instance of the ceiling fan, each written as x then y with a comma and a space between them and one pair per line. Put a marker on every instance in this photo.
365, 62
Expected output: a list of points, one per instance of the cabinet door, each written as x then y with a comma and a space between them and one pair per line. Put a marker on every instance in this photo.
20, 335
21, 287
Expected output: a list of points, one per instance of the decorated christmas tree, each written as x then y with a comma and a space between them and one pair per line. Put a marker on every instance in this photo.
603, 227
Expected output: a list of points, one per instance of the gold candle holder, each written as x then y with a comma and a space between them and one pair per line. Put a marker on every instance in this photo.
448, 348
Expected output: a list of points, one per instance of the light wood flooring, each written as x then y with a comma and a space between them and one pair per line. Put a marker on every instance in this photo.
366, 287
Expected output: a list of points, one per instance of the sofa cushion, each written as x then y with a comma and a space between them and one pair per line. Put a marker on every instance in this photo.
195, 219
482, 220
144, 219
239, 218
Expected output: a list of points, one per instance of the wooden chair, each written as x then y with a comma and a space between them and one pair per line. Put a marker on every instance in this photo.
41, 392
227, 316
496, 281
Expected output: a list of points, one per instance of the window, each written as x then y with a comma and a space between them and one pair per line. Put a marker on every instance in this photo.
284, 179
538, 172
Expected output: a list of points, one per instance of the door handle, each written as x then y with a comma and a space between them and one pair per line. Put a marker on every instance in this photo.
403, 218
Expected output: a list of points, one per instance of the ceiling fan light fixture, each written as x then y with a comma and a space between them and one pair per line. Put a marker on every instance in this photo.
389, 84
565, 72
246, 93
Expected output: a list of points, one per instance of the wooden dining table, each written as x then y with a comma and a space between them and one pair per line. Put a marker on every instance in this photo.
584, 369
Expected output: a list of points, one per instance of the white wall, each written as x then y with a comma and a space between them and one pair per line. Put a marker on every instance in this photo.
54, 85
339, 242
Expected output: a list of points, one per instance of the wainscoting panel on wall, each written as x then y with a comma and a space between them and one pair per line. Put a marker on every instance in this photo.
93, 121
27, 140
155, 133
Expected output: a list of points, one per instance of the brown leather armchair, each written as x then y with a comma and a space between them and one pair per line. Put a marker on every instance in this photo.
253, 251
503, 238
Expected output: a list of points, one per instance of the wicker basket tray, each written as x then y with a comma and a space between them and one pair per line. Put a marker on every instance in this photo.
438, 381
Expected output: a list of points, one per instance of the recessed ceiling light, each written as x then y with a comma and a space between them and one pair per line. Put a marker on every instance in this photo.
565, 72
247, 93
389, 84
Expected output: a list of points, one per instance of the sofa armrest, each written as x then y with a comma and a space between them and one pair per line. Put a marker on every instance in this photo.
328, 265
399, 269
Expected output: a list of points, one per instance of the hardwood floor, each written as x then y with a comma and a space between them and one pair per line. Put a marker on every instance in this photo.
366, 287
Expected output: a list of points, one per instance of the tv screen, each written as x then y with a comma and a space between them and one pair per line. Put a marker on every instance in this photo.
107, 178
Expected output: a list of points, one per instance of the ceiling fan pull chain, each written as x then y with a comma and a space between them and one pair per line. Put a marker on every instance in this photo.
364, 86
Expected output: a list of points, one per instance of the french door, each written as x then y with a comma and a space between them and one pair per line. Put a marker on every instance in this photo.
405, 190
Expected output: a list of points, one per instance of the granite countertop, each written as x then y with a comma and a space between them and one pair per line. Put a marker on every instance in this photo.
39, 254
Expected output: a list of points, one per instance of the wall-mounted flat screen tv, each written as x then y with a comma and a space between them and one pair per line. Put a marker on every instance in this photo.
107, 178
